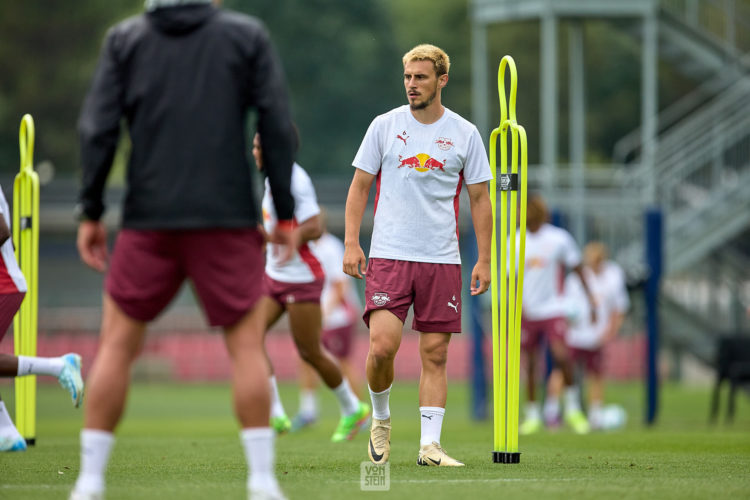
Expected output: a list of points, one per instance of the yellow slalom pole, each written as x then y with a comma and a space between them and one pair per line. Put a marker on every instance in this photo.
26, 242
496, 397
515, 348
506, 328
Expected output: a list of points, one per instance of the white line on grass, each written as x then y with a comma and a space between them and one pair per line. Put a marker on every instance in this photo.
478, 480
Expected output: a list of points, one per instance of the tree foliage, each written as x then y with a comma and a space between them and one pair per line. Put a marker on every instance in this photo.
47, 55
343, 64
342, 69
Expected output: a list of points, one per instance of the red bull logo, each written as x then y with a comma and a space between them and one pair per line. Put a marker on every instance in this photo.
421, 163
444, 143
536, 262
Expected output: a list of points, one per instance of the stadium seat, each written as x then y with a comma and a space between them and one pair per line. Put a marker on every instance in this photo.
732, 365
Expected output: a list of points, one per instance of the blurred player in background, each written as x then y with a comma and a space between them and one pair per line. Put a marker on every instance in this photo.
295, 287
550, 253
421, 154
341, 308
586, 339
66, 368
183, 78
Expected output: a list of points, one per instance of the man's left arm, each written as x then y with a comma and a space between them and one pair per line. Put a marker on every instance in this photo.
481, 216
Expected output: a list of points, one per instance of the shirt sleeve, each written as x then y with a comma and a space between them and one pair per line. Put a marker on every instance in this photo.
305, 200
99, 128
370, 155
477, 168
621, 300
571, 255
268, 94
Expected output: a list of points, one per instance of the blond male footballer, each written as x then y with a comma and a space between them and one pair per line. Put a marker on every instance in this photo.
419, 155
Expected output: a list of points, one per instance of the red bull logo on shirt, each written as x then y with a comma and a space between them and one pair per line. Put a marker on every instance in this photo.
421, 163
444, 143
536, 262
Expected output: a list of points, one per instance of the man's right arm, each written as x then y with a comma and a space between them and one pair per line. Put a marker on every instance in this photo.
99, 130
356, 201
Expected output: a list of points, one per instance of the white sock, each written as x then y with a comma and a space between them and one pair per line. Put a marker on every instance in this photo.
258, 443
348, 402
432, 424
6, 424
28, 365
380, 407
308, 403
532, 411
277, 409
96, 446
572, 399
551, 408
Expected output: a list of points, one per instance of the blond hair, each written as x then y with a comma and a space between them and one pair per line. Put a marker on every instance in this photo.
595, 253
427, 52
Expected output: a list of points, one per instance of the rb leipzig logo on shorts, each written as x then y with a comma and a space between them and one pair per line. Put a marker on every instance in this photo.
380, 299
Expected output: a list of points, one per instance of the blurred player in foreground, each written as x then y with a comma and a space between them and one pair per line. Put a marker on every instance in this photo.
183, 77
587, 339
66, 368
340, 307
550, 253
295, 287
421, 154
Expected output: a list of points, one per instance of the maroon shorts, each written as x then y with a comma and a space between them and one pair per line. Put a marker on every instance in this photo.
534, 331
590, 359
434, 289
224, 265
9, 304
290, 293
338, 341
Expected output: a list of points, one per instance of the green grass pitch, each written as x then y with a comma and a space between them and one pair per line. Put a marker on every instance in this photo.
181, 441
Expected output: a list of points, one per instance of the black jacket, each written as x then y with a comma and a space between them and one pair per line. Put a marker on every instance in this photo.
184, 79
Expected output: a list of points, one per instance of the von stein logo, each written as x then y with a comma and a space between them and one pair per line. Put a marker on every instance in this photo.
373, 477
508, 182
505, 182
421, 163
380, 299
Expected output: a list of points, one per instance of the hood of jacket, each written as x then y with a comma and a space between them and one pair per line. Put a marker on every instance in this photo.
181, 19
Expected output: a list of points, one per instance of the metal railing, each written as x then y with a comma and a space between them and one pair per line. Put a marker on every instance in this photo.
725, 22
704, 163
722, 23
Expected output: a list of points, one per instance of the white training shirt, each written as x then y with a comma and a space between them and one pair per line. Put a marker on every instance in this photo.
420, 170
330, 252
550, 253
610, 295
11, 278
303, 267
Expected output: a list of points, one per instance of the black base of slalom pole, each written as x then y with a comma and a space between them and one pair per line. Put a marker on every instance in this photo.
505, 457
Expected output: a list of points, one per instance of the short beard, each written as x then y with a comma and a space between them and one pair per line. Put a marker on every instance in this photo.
425, 103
